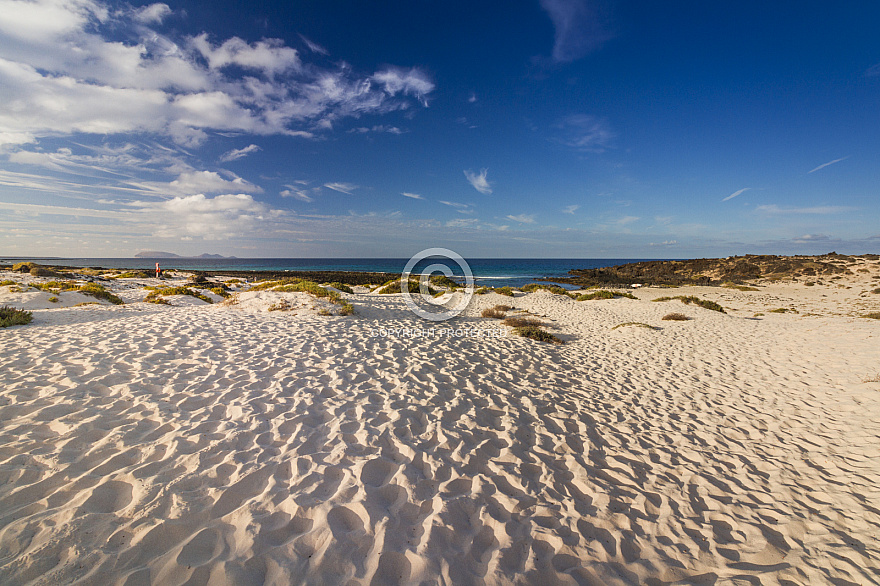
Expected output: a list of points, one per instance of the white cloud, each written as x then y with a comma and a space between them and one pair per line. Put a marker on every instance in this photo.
412, 195
570, 209
585, 133
522, 218
201, 182
479, 181
664, 243
736, 193
823, 165
461, 208
236, 154
346, 188
63, 71
579, 28
152, 14
819, 210
462, 223
810, 238
627, 220
217, 218
472, 98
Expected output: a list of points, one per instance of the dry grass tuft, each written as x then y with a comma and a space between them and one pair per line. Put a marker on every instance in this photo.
873, 315
637, 324
493, 313
676, 317
522, 322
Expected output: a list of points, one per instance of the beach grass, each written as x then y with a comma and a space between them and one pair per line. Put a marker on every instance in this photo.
675, 317
166, 291
493, 313
10, 316
689, 299
523, 322
536, 333
506, 291
637, 324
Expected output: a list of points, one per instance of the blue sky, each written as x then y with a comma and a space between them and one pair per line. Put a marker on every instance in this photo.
545, 128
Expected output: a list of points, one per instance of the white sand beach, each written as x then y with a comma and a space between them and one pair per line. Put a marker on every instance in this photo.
221, 443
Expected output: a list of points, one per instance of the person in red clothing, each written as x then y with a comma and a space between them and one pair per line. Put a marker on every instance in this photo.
158, 271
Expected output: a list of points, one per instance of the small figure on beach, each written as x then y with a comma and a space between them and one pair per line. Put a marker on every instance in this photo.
158, 271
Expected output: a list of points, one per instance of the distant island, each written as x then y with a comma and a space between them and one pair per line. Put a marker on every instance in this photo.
160, 254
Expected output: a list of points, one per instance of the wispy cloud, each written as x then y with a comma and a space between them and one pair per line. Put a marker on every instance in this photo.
462, 223
811, 238
818, 210
346, 188
522, 218
873, 71
736, 193
479, 181
236, 154
585, 133
296, 192
412, 195
664, 243
377, 128
570, 209
823, 165
314, 47
472, 98
626, 220
461, 208
580, 28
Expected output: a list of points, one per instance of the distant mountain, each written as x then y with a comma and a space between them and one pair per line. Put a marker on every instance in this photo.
156, 254
160, 254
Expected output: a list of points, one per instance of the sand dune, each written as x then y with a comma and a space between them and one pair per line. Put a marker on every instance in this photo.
215, 444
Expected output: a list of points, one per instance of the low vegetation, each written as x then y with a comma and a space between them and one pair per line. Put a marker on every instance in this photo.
604, 294
637, 324
689, 299
312, 288
341, 286
493, 313
134, 275
877, 291
166, 291
873, 315
506, 291
731, 285
444, 281
219, 291
10, 316
555, 289
482, 290
523, 322
91, 289
782, 310
5, 282
536, 333
675, 317
394, 286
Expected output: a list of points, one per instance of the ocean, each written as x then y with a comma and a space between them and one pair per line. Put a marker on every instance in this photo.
496, 272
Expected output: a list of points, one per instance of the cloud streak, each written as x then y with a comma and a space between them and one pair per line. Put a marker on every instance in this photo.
736, 193
823, 165
236, 154
347, 188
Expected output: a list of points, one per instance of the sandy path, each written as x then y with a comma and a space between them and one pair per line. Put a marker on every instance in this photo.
208, 445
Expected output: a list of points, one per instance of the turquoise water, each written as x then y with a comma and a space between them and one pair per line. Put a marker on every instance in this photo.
487, 271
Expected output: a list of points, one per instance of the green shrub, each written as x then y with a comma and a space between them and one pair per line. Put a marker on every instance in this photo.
176, 291
444, 281
506, 291
536, 333
342, 287
731, 285
5, 282
219, 291
53, 299
134, 275
555, 289
98, 292
688, 299
482, 291
595, 295
43, 272
23, 267
782, 310
10, 316
394, 286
